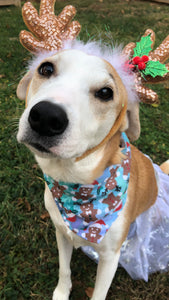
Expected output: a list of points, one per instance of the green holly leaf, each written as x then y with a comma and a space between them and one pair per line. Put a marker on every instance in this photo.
155, 68
143, 47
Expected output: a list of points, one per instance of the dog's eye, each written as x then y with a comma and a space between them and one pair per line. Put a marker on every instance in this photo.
105, 94
46, 69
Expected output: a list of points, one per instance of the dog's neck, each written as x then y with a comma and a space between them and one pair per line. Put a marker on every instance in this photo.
87, 169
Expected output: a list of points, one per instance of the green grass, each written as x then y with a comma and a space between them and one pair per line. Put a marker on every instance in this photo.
28, 252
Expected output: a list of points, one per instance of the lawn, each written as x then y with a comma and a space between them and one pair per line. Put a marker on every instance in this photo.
28, 252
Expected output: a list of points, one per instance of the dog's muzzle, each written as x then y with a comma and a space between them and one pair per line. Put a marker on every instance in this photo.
48, 119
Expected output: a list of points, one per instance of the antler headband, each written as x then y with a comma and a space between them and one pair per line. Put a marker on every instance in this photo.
50, 32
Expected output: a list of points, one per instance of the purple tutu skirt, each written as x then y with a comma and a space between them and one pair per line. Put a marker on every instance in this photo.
146, 248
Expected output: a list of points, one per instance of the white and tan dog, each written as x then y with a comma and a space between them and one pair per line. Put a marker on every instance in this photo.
77, 107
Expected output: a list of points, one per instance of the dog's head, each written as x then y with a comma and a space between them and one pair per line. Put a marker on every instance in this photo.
73, 101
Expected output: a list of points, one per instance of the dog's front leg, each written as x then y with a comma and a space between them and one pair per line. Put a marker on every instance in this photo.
63, 288
107, 267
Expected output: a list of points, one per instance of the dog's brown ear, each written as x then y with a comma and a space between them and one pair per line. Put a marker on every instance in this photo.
133, 131
23, 85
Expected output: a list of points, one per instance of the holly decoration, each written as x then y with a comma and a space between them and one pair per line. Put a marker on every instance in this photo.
141, 62
155, 68
143, 47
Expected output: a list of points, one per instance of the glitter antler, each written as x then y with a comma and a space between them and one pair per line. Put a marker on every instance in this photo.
49, 31
160, 55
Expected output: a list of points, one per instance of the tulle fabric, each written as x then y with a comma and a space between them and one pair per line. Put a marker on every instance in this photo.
146, 249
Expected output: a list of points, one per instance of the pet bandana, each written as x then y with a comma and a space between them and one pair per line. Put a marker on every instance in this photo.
89, 210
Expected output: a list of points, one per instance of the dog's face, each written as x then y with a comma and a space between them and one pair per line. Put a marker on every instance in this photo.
73, 100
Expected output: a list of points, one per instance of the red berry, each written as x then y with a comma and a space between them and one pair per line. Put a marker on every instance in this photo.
136, 60
141, 65
144, 58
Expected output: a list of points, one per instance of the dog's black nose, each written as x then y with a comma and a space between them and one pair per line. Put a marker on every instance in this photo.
48, 119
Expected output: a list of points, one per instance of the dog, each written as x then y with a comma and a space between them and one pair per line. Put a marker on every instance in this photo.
76, 111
